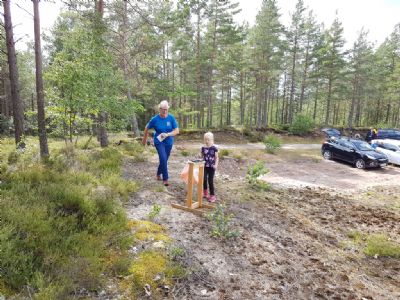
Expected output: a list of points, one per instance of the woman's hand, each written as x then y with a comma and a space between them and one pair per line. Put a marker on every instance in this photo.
164, 135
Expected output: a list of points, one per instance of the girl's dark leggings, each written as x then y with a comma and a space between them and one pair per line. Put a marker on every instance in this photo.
209, 179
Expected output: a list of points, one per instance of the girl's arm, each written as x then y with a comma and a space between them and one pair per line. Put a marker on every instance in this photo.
216, 160
201, 155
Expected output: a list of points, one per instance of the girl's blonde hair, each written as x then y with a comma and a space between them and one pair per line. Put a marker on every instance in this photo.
210, 136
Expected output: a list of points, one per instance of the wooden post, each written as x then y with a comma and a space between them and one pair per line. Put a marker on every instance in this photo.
196, 206
190, 185
200, 185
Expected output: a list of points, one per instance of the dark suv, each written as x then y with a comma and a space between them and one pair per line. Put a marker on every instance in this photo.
356, 152
384, 134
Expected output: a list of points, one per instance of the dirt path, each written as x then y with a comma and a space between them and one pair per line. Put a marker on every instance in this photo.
294, 238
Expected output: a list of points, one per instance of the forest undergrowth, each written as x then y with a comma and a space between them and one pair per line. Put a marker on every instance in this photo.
63, 230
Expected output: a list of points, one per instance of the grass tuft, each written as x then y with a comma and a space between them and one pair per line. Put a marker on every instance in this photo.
381, 246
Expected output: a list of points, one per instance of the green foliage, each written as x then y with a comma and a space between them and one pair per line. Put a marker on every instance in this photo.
376, 245
84, 80
272, 143
13, 157
58, 228
253, 174
5, 124
302, 124
176, 252
52, 227
155, 212
223, 153
135, 150
253, 136
382, 246
185, 153
221, 223
238, 157
356, 236
105, 161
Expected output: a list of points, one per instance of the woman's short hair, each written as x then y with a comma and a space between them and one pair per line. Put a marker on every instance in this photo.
163, 104
209, 135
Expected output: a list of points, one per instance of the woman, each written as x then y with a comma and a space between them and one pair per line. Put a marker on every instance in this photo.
165, 127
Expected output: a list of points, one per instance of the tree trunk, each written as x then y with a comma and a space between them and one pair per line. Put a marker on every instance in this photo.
14, 77
328, 101
229, 104
102, 117
353, 101
293, 106
316, 100
222, 106
44, 149
135, 126
242, 96
210, 70
200, 116
305, 74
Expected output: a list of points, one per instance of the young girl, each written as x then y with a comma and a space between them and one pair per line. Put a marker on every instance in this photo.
209, 153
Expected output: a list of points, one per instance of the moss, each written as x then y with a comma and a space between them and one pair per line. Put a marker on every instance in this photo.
146, 230
147, 267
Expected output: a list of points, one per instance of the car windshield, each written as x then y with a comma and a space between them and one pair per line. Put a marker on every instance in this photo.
363, 146
391, 147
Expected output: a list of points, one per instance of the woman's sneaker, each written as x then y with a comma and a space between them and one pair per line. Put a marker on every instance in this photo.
165, 182
205, 194
212, 198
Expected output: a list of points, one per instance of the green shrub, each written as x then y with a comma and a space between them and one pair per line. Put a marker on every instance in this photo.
185, 153
155, 212
5, 124
302, 124
381, 246
134, 149
13, 157
54, 236
119, 186
221, 223
254, 172
272, 143
223, 152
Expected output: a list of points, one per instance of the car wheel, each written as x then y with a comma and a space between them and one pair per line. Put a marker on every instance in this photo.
360, 164
327, 154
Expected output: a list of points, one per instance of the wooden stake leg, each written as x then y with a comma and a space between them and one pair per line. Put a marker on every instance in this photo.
190, 206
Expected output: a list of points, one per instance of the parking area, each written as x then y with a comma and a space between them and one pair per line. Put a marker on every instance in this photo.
313, 171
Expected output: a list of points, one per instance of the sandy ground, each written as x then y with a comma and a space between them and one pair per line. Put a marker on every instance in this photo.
293, 241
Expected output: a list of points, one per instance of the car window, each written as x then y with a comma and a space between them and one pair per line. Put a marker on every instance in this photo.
334, 141
349, 145
345, 143
391, 147
363, 146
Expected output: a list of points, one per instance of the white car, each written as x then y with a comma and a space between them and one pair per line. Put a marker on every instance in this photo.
392, 151
390, 141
